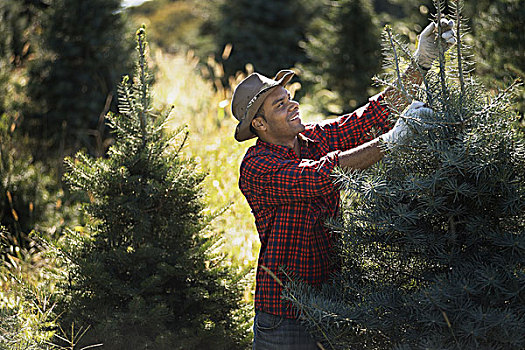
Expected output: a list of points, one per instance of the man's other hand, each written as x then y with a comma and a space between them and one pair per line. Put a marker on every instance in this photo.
427, 48
401, 130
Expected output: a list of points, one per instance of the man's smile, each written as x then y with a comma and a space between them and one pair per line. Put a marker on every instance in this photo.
295, 116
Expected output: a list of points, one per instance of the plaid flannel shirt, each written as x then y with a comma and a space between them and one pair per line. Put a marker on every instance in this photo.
292, 196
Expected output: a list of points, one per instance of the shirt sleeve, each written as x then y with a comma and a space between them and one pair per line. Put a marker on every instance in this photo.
278, 181
354, 129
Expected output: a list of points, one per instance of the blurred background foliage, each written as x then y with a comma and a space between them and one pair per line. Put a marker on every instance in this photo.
84, 49
335, 45
60, 62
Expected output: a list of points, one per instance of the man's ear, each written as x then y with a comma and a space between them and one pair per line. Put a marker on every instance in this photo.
259, 124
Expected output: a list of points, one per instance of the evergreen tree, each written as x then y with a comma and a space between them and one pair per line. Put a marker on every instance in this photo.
262, 32
343, 47
433, 237
84, 51
143, 273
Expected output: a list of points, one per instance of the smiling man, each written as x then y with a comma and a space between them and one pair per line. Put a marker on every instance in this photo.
286, 179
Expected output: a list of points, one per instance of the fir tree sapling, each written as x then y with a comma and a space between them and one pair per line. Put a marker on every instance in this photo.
433, 237
143, 274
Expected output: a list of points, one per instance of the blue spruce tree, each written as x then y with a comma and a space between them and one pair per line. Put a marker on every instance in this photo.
432, 239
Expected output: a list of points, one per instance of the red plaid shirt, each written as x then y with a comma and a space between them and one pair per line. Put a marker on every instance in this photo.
292, 196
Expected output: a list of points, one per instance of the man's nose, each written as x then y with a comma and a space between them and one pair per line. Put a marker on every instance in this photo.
293, 104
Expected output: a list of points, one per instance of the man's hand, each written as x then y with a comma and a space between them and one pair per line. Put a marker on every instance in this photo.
368, 153
401, 129
427, 49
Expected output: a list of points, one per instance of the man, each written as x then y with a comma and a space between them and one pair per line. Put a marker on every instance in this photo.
286, 180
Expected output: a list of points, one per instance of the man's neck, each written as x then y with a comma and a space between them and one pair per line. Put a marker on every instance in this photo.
297, 147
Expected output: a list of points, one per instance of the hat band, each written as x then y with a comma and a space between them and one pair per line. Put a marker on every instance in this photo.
252, 101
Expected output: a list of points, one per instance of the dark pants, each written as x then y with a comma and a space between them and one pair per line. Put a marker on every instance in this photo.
273, 332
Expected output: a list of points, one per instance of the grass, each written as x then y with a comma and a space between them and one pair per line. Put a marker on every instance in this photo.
26, 312
205, 111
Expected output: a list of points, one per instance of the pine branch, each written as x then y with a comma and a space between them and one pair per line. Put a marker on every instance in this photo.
495, 102
125, 102
186, 134
399, 84
458, 7
141, 47
311, 319
127, 105
439, 4
417, 66
449, 325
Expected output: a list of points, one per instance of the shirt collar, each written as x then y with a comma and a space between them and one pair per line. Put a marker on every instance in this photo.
279, 150
284, 151
306, 140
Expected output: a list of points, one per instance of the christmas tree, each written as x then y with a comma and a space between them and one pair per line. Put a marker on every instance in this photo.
344, 50
432, 239
142, 274
265, 33
83, 52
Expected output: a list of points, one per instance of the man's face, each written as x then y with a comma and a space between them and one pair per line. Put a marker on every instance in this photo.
283, 121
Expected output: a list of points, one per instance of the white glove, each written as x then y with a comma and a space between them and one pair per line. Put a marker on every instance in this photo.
401, 130
417, 110
427, 48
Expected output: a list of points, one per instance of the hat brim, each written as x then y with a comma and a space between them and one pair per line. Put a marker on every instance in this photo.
242, 131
